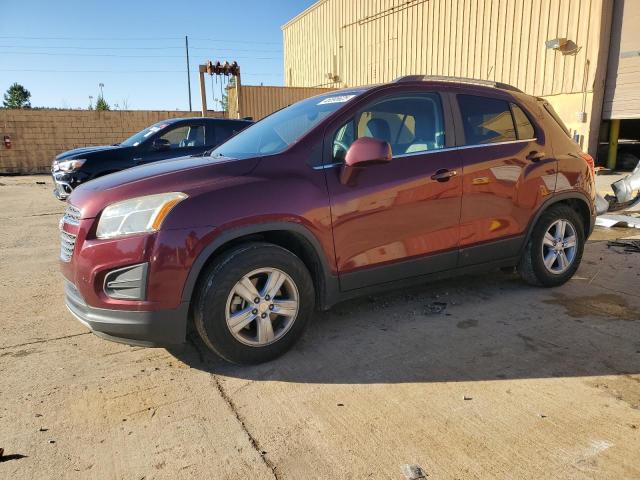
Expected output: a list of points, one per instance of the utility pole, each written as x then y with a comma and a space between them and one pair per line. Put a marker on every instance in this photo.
202, 69
186, 44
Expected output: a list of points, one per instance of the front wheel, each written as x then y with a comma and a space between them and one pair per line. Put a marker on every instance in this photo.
555, 248
254, 303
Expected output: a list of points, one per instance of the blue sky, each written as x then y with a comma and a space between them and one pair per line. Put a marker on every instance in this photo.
62, 50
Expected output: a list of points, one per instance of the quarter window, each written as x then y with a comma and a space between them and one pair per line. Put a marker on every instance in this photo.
486, 120
524, 129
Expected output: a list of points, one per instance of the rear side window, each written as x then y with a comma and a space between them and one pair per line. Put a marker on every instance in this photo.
486, 120
224, 131
524, 129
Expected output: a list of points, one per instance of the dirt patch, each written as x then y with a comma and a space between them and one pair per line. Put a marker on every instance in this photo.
625, 388
467, 323
606, 305
19, 353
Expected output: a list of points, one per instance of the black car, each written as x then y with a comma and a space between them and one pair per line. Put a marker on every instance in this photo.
177, 137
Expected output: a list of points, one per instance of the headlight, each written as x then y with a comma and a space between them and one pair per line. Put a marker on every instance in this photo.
71, 165
137, 215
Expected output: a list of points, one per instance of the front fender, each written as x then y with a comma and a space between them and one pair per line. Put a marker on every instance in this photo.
329, 289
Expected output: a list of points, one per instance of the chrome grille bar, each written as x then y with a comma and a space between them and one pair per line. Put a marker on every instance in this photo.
71, 215
67, 243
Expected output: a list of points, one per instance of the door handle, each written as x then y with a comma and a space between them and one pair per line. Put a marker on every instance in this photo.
443, 175
137, 160
535, 156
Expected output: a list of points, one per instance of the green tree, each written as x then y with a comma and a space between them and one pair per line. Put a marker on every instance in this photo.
17, 97
101, 104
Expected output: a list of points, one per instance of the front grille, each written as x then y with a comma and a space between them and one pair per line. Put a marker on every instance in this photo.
71, 215
67, 242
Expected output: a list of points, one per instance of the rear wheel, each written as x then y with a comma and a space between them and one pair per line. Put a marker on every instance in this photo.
554, 251
254, 303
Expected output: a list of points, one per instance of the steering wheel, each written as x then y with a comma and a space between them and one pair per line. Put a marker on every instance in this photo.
337, 146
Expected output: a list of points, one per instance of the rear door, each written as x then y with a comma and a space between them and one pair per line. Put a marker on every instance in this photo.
508, 170
400, 219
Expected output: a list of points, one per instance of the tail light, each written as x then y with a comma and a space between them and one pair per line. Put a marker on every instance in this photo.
589, 159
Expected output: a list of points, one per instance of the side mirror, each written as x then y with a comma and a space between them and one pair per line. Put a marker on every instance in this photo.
161, 144
363, 153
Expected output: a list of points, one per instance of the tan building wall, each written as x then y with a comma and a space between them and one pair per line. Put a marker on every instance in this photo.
359, 42
258, 101
39, 135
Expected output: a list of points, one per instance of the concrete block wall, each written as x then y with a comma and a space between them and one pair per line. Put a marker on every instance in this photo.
38, 135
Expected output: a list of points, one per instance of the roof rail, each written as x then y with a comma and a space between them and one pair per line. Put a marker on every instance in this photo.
442, 78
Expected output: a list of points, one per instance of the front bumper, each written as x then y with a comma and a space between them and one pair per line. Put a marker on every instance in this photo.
144, 328
61, 188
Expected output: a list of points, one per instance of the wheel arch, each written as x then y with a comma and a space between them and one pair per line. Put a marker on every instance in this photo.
291, 236
578, 201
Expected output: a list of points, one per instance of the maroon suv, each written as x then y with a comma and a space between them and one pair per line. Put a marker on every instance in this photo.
335, 196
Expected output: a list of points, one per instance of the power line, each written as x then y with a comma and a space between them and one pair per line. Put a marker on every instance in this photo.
22, 37
40, 70
67, 47
236, 41
218, 40
126, 56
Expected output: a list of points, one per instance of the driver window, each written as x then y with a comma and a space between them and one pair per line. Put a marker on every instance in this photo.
185, 136
410, 123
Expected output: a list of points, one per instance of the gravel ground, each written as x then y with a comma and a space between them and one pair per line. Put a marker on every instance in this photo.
475, 377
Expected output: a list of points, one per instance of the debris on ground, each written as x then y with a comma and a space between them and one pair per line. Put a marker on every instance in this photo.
413, 472
6, 458
614, 210
602, 205
467, 398
436, 307
609, 221
624, 188
632, 246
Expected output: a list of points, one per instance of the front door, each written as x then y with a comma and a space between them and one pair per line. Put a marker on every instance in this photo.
401, 219
178, 141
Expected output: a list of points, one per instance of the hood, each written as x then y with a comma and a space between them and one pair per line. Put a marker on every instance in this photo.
190, 175
79, 152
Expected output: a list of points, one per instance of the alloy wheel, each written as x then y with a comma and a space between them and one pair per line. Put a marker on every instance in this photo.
559, 246
262, 306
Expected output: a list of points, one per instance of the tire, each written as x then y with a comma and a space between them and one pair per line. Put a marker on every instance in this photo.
532, 266
217, 303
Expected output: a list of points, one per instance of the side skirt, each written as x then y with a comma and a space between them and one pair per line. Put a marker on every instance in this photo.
421, 279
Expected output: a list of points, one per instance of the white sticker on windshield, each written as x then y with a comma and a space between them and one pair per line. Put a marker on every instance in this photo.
338, 99
155, 129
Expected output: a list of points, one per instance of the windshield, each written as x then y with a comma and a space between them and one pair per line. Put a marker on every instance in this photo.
138, 138
278, 131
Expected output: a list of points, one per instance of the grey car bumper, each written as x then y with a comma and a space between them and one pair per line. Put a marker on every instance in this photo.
144, 328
